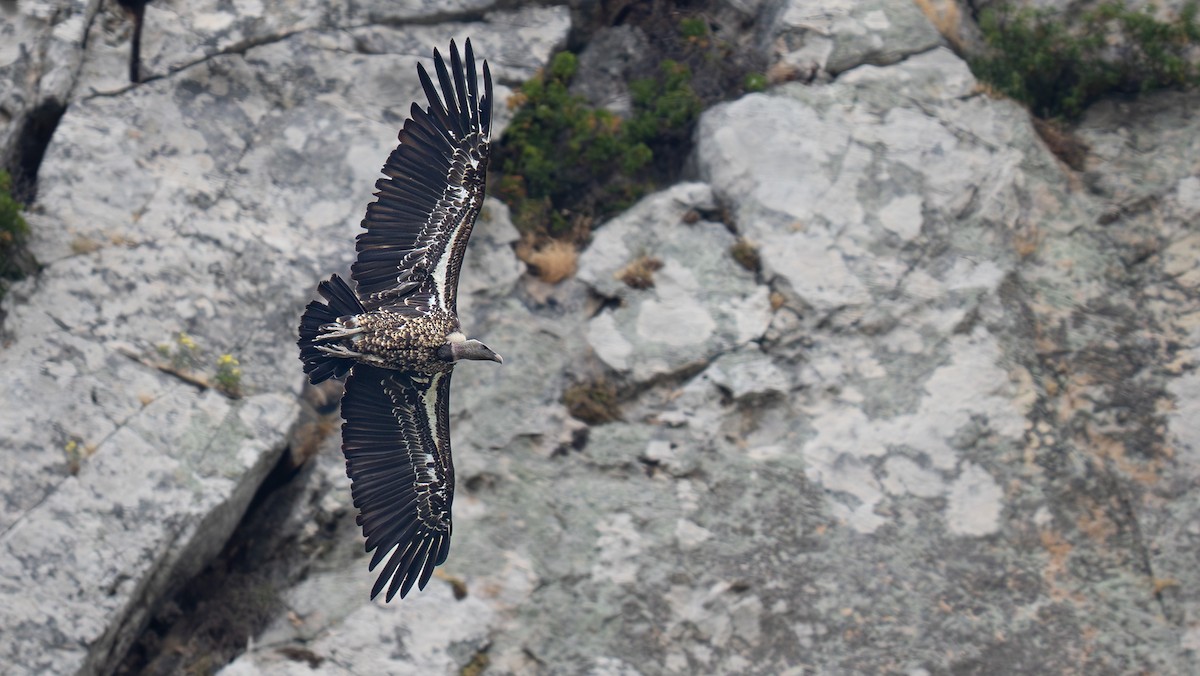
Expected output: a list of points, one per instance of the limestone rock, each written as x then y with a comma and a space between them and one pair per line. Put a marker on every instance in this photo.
431, 633
174, 40
607, 65
41, 51
180, 220
748, 373
698, 302
931, 216
156, 499
948, 426
804, 38
490, 269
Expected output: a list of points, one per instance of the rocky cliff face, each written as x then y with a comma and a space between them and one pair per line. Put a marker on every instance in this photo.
947, 423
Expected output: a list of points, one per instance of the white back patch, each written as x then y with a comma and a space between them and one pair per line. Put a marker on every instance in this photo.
430, 398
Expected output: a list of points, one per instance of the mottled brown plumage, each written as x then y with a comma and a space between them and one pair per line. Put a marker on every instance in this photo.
399, 340
397, 333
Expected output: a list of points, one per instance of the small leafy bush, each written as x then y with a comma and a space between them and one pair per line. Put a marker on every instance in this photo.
228, 377
183, 354
1034, 57
564, 165
559, 150
693, 28
754, 82
13, 228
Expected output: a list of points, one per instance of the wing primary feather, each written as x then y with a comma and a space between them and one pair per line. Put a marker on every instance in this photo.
436, 109
472, 84
419, 152
414, 566
435, 548
443, 551
427, 125
460, 88
416, 153
389, 569
403, 539
439, 65
402, 571
485, 112
396, 567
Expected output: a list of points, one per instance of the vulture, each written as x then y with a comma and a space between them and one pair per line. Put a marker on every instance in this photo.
396, 331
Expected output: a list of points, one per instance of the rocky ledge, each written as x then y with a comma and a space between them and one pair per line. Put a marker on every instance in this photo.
888, 386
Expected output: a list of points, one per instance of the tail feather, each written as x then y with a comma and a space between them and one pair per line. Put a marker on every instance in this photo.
341, 302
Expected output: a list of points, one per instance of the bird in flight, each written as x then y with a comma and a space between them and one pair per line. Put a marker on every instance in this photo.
397, 331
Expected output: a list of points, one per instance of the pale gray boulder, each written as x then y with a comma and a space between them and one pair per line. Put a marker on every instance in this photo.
156, 500
701, 302
175, 39
748, 374
41, 54
951, 294
610, 61
808, 38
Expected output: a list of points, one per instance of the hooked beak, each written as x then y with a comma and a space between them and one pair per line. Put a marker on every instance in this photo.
472, 349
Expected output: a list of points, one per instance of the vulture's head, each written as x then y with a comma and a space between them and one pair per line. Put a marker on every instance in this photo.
460, 347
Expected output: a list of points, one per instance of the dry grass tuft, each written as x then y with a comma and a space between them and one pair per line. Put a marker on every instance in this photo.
746, 255
777, 300
1065, 145
988, 90
1027, 240
640, 273
593, 402
782, 71
553, 262
83, 245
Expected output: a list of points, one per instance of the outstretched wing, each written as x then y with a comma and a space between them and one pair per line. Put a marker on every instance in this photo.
418, 226
396, 439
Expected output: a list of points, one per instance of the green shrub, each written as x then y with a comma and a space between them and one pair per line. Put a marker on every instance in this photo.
694, 28
228, 377
1034, 57
13, 228
754, 82
561, 152
662, 106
